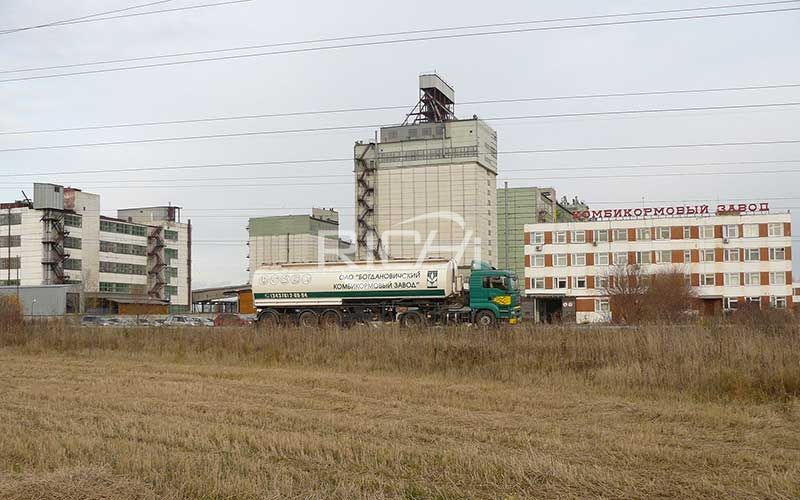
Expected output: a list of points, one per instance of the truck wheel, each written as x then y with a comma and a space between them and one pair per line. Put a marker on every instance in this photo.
269, 319
485, 319
412, 319
330, 319
308, 319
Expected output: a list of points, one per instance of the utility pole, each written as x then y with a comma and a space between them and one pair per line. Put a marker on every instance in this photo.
8, 244
505, 223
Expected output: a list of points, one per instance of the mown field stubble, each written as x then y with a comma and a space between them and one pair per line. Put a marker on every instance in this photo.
386, 413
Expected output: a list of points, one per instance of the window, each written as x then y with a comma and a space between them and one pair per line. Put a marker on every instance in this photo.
579, 236
561, 282
538, 260
730, 303
687, 256
777, 254
644, 258
620, 235
778, 302
730, 231
663, 233
10, 219
537, 238
560, 237
707, 255
755, 301
752, 255
579, 282
731, 255
73, 264
494, 282
560, 260
601, 236
9, 263
750, 230
110, 226
687, 280
123, 248
579, 259
171, 291
664, 257
71, 242
170, 272
170, 253
621, 259
687, 232
538, 283
731, 279
601, 259
775, 229
707, 280
170, 235
777, 278
126, 288
601, 282
752, 279
123, 268
706, 232
73, 220
14, 240
643, 233
602, 305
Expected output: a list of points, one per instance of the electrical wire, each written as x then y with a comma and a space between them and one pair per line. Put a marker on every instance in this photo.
386, 108
84, 19
374, 126
397, 41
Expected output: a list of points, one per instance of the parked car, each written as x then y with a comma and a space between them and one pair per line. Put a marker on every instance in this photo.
112, 322
197, 322
229, 319
158, 322
143, 322
178, 321
92, 321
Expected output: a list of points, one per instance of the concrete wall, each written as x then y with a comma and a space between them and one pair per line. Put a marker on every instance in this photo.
40, 300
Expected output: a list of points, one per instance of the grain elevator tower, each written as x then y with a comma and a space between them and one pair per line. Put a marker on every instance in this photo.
429, 183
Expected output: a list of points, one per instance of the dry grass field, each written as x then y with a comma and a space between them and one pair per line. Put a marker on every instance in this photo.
656, 412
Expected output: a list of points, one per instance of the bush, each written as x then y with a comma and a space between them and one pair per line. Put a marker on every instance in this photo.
10, 312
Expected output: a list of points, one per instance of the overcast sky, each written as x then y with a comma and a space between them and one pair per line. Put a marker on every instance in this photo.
704, 53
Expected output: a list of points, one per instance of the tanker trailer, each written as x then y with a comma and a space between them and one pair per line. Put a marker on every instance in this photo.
415, 293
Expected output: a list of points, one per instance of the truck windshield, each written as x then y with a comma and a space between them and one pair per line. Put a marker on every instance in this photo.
512, 283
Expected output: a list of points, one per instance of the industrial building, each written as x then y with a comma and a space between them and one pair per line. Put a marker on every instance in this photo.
526, 205
428, 183
138, 262
294, 238
728, 259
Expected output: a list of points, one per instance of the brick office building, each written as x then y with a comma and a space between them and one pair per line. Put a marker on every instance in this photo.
729, 259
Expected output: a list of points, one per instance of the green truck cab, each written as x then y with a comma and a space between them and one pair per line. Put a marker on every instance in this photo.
494, 295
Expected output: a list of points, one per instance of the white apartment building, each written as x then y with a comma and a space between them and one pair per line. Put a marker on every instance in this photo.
728, 259
138, 262
429, 185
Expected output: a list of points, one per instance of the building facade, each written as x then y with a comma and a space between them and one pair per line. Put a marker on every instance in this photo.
429, 185
140, 260
728, 260
294, 239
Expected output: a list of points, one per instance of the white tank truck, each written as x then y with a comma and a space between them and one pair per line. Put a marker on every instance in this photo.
411, 292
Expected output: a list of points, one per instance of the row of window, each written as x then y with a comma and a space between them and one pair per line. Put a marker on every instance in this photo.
732, 303
123, 268
707, 232
710, 279
659, 257
10, 241
9, 283
109, 226
126, 288
123, 248
12, 219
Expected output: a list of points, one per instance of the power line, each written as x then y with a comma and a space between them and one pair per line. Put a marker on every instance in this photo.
84, 19
395, 33
372, 126
402, 40
157, 182
539, 178
386, 108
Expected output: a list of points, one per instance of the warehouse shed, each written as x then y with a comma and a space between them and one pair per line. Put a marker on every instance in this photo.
40, 300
